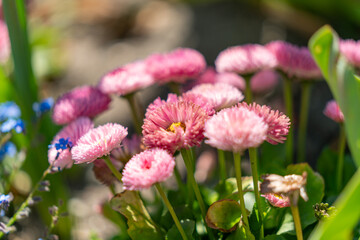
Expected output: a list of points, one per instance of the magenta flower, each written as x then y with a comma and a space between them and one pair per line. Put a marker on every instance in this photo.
235, 129
278, 122
4, 42
219, 95
175, 126
294, 61
277, 200
147, 168
98, 142
351, 50
264, 81
178, 65
73, 131
85, 101
246, 59
127, 79
172, 98
333, 111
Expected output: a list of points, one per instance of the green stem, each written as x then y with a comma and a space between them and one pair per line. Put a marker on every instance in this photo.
304, 111
190, 174
135, 111
171, 210
289, 144
179, 181
222, 165
112, 189
248, 93
253, 161
297, 222
237, 165
112, 168
340, 163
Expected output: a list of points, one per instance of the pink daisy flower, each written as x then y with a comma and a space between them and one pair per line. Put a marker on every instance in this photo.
277, 200
235, 129
178, 65
85, 101
219, 95
147, 168
73, 131
4, 42
264, 81
278, 122
199, 100
98, 142
246, 59
172, 98
351, 50
294, 61
333, 111
175, 126
125, 80
102, 172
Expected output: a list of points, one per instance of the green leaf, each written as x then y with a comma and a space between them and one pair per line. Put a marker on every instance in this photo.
314, 189
274, 237
240, 234
272, 159
228, 189
141, 226
224, 215
116, 218
182, 212
188, 226
287, 225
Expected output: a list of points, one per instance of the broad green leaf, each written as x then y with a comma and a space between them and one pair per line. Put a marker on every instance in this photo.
314, 189
274, 237
116, 218
182, 212
287, 225
273, 217
240, 234
141, 226
224, 215
272, 159
188, 226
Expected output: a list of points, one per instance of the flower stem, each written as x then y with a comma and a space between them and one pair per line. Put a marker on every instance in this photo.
297, 222
13, 219
112, 168
179, 181
248, 93
222, 165
340, 163
253, 161
289, 144
304, 111
135, 111
237, 165
175, 88
171, 210
190, 174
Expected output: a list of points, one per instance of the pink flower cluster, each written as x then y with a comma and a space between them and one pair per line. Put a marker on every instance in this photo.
333, 111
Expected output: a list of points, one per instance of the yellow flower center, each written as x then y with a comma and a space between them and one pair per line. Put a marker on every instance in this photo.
176, 125
278, 196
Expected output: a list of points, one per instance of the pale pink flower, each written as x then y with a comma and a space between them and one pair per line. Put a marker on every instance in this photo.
4, 42
333, 111
85, 101
73, 131
172, 98
278, 122
199, 100
103, 173
177, 66
129, 147
245, 59
235, 129
127, 79
295, 61
175, 126
277, 200
147, 168
264, 81
98, 142
351, 50
219, 95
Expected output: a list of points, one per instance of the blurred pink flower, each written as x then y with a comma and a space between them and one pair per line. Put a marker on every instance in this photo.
199, 100
333, 111
351, 50
85, 101
147, 168
219, 95
177, 66
129, 147
235, 129
294, 61
278, 122
4, 42
98, 142
102, 172
175, 126
127, 79
277, 200
245, 59
172, 98
264, 81
73, 131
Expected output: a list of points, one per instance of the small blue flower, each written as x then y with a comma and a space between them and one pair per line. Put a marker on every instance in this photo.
9, 110
10, 124
63, 144
43, 107
5, 201
7, 149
